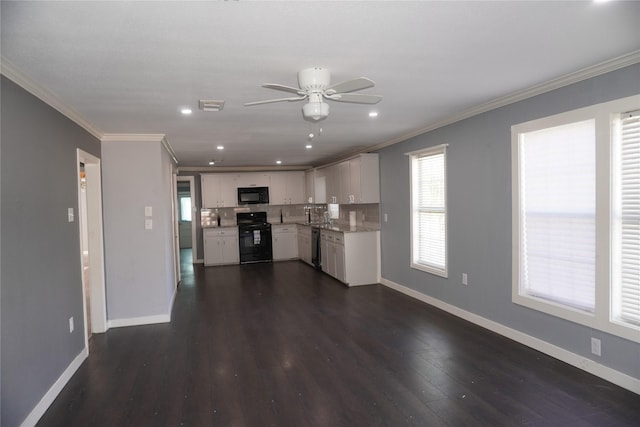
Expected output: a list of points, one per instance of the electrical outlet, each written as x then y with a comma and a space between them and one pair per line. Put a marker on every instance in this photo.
386, 218
465, 278
71, 327
596, 347
70, 215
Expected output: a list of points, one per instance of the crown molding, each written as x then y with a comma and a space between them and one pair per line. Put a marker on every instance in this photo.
566, 80
132, 137
215, 169
12, 73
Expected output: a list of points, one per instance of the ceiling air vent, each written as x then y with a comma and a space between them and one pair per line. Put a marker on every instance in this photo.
211, 105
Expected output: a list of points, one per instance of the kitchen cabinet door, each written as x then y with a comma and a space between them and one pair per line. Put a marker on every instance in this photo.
340, 272
221, 246
277, 189
295, 188
284, 242
286, 188
210, 190
228, 197
230, 250
253, 179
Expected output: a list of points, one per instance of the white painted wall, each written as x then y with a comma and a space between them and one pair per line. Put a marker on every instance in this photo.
140, 271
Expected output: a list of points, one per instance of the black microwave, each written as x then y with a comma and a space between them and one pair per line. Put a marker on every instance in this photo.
253, 195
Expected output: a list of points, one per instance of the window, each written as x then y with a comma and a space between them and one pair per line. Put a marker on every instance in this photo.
557, 214
185, 208
429, 210
626, 219
576, 216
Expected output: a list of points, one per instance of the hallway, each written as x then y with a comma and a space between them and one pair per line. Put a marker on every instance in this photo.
282, 344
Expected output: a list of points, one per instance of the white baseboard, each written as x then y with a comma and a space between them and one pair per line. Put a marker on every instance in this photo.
136, 321
616, 377
199, 261
55, 389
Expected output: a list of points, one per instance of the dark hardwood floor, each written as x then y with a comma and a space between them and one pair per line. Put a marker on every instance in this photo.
284, 345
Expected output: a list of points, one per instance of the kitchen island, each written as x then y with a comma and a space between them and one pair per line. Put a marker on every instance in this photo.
350, 254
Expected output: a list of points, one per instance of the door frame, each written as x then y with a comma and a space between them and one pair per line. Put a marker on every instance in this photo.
194, 243
94, 227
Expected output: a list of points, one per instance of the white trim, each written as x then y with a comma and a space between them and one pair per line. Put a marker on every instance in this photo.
38, 411
143, 320
169, 148
173, 299
562, 81
601, 318
12, 73
213, 169
616, 377
132, 137
428, 150
413, 156
199, 261
191, 180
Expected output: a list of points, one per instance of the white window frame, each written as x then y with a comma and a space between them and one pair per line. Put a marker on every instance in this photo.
436, 150
602, 317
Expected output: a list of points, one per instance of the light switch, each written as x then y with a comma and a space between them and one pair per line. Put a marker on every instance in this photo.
148, 211
148, 224
70, 215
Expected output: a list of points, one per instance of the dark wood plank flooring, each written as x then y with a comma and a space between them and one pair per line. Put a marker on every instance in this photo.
284, 345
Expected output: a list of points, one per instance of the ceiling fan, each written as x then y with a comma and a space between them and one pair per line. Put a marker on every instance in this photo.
314, 86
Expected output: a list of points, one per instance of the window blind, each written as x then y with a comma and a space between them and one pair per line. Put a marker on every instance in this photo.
557, 214
627, 216
429, 211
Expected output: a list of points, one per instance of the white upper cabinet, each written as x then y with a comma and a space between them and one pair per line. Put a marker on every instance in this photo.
286, 188
253, 179
219, 190
364, 173
310, 186
353, 181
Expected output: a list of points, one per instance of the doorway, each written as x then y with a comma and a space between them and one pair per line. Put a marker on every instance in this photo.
186, 218
91, 244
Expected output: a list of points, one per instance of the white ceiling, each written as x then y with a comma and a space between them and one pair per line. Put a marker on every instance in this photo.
128, 67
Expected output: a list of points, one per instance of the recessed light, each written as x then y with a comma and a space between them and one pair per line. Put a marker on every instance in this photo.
220, 147
309, 146
373, 114
211, 163
278, 162
186, 111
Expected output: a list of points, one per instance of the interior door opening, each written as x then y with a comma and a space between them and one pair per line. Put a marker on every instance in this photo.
91, 244
186, 218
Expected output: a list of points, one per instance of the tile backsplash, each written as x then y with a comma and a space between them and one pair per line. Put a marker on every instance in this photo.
366, 214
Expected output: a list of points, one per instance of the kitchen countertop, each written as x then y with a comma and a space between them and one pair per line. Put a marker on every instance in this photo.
343, 228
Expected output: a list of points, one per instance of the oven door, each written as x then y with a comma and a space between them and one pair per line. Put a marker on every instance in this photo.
255, 243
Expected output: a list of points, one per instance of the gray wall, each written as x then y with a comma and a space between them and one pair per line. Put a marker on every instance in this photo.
479, 197
40, 258
139, 262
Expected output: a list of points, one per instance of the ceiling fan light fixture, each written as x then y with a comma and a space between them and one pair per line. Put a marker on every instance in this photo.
315, 111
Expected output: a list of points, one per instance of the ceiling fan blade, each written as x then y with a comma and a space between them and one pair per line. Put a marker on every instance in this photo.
284, 88
269, 101
351, 85
356, 98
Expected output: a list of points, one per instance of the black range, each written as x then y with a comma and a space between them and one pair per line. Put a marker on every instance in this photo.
254, 237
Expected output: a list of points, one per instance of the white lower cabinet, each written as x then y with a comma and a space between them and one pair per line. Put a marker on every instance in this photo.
221, 246
352, 258
285, 242
304, 244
